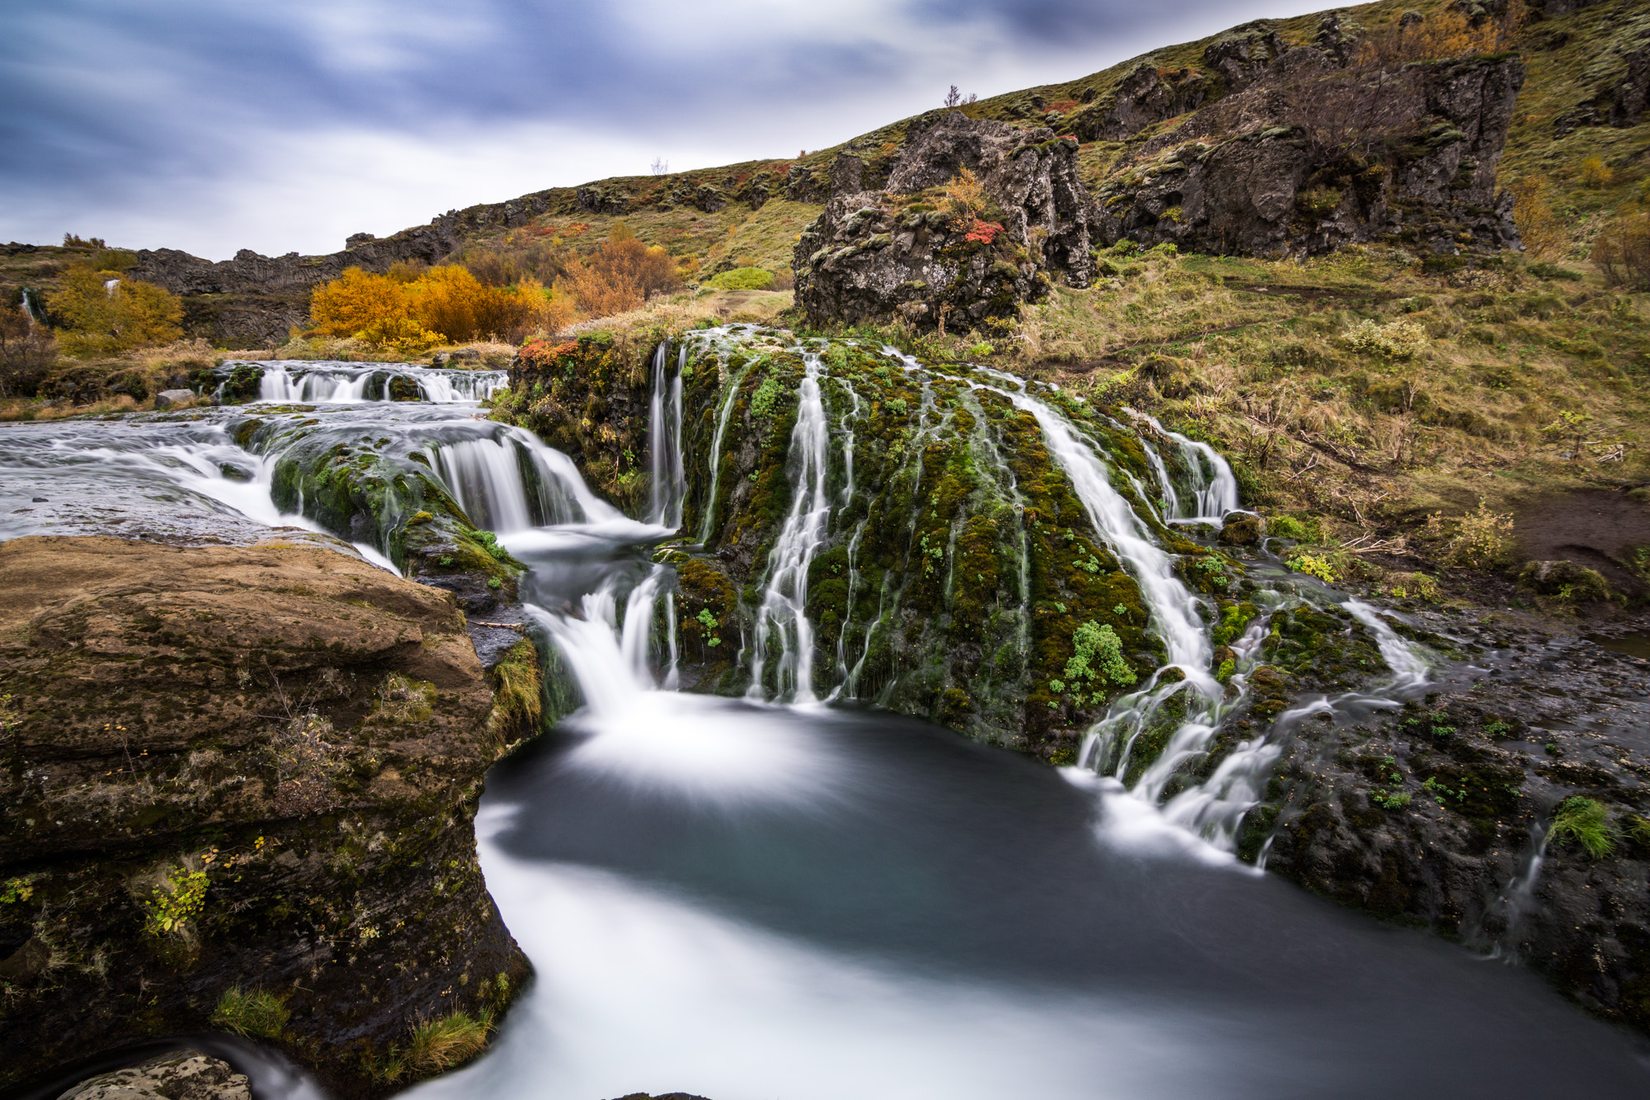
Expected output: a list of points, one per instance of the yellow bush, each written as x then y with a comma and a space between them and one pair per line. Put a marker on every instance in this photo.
445, 304
105, 314
1596, 173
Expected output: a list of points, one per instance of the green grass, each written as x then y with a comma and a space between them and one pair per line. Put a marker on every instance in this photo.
439, 1045
255, 1013
1584, 822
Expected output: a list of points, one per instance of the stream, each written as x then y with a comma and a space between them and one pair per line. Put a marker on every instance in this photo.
749, 898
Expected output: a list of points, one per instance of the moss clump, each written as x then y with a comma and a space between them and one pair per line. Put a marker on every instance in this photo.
518, 694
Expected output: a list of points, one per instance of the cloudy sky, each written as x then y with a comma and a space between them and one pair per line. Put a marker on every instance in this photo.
283, 125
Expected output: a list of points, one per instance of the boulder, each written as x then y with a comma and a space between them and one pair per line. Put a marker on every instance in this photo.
250, 767
168, 399
1242, 529
184, 1075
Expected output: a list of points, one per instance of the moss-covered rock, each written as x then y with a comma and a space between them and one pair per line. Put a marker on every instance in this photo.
250, 768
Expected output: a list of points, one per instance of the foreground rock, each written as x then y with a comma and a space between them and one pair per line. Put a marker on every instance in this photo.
975, 218
1432, 815
236, 791
186, 1075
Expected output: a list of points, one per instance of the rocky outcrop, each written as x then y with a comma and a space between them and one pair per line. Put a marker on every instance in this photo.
186, 1075
1146, 96
975, 217
238, 772
1313, 157
1432, 815
1619, 80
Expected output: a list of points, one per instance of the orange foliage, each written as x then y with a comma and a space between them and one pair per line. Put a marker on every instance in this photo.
1442, 36
619, 275
443, 304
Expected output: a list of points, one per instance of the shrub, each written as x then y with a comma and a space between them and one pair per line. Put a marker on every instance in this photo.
1538, 226
254, 1013
620, 275
101, 313
1596, 173
409, 310
1397, 340
179, 899
1622, 251
27, 352
1481, 539
1585, 822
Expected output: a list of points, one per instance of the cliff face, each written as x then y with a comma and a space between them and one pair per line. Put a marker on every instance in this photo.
1312, 157
249, 768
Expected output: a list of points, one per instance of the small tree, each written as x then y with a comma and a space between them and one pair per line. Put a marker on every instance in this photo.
1622, 251
104, 314
27, 350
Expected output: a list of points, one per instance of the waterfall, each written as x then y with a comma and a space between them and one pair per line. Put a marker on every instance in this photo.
730, 394
1407, 661
511, 482
782, 618
350, 383
667, 484
1212, 491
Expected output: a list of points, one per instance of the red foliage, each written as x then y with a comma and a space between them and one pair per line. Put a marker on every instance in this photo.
1063, 105
984, 232
541, 353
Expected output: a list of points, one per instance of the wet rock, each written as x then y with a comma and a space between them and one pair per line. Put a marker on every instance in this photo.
168, 399
1242, 529
248, 767
1430, 815
935, 261
1568, 580
186, 1075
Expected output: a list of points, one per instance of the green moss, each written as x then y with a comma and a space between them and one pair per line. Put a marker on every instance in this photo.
254, 1013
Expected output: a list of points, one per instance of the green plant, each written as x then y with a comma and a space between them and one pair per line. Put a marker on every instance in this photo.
1442, 792
1096, 661
489, 543
1586, 822
16, 890
1314, 565
742, 278
711, 624
255, 1013
179, 899
766, 398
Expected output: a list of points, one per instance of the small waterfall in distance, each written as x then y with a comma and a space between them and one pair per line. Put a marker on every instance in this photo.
329, 383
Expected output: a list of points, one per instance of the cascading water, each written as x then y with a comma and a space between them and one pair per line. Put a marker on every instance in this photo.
782, 619
1211, 491
667, 484
331, 383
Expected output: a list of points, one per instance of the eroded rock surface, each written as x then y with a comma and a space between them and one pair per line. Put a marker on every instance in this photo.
186, 1075
974, 220
245, 767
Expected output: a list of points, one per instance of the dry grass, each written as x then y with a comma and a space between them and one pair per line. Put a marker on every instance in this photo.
1519, 384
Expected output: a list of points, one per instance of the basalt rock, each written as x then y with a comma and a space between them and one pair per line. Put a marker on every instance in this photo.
934, 260
1145, 97
1432, 815
250, 767
1314, 157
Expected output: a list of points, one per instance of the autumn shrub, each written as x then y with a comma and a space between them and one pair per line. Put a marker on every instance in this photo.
1596, 173
27, 351
103, 313
1539, 226
444, 304
741, 278
1621, 252
619, 275
1480, 539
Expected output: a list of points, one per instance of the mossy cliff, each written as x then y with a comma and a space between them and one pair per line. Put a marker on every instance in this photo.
249, 769
959, 574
